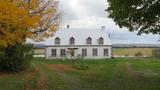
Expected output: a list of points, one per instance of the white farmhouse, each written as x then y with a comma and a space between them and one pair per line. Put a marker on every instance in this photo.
73, 43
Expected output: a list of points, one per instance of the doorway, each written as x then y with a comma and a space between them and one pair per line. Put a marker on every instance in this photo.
72, 51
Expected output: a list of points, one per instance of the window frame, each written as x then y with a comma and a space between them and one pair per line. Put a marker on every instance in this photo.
101, 41
106, 52
55, 52
72, 41
62, 52
57, 41
95, 52
89, 41
84, 52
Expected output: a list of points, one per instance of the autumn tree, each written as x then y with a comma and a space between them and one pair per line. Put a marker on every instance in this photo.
21, 19
137, 15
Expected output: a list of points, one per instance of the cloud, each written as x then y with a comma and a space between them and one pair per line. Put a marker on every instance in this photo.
91, 14
83, 12
94, 8
68, 12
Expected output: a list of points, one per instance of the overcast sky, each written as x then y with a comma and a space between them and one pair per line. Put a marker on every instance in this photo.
86, 14
91, 14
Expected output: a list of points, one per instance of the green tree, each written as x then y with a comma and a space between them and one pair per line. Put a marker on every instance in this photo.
137, 15
16, 57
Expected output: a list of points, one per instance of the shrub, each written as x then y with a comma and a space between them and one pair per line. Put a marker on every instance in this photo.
16, 57
79, 63
138, 54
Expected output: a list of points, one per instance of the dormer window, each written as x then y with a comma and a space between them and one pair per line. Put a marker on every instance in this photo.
89, 40
101, 41
72, 41
57, 41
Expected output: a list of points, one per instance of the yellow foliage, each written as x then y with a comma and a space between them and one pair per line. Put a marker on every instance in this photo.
21, 19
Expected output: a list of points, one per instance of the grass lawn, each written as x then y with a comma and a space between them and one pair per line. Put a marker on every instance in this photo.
115, 74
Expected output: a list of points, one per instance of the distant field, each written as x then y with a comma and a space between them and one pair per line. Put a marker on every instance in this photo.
39, 51
114, 74
132, 51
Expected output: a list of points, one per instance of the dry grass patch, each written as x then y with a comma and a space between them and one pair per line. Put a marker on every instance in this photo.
5, 75
59, 67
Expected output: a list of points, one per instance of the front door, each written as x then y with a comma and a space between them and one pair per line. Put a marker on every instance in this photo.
72, 52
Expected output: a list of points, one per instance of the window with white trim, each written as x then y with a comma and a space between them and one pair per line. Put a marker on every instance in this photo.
95, 52
62, 52
105, 52
89, 40
101, 40
72, 41
57, 41
54, 52
84, 52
